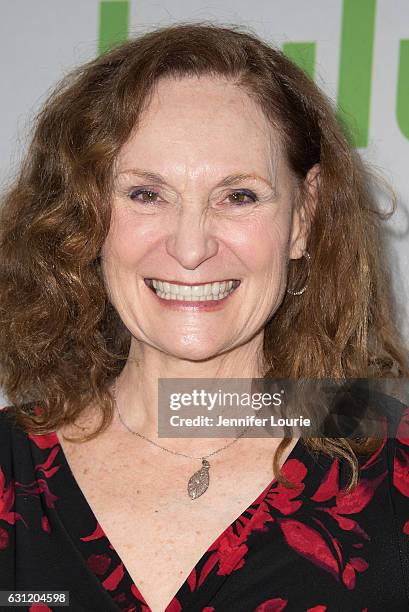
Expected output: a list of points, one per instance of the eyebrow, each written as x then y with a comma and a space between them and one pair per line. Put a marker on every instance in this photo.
231, 179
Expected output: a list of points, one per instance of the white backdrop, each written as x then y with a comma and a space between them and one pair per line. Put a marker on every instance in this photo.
41, 40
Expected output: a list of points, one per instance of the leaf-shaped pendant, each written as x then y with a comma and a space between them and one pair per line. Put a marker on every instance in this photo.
199, 482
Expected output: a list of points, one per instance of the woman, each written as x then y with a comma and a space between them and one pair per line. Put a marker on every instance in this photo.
160, 175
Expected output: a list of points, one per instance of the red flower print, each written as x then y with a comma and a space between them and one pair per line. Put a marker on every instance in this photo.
120, 597
257, 522
174, 606
351, 503
401, 471
4, 538
329, 486
317, 543
229, 549
318, 609
283, 498
40, 608
402, 434
95, 535
45, 524
36, 488
136, 593
401, 463
348, 575
7, 497
191, 579
309, 543
374, 456
114, 578
44, 440
272, 605
359, 497
207, 568
46, 467
40, 485
131, 608
99, 564
230, 553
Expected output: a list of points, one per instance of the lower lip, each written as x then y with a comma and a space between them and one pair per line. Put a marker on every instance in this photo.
209, 305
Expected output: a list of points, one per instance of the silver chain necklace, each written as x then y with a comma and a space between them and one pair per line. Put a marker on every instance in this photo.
199, 481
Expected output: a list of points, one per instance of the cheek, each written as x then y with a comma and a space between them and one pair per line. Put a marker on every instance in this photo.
127, 241
263, 243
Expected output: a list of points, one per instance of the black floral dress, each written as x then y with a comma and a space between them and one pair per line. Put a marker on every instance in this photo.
312, 548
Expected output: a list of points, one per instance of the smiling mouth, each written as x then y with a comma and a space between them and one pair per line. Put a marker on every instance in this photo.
204, 292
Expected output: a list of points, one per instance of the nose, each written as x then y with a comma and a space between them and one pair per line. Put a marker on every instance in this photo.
190, 241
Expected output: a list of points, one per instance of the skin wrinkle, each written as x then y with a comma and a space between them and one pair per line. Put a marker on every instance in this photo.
228, 181
273, 148
155, 180
194, 135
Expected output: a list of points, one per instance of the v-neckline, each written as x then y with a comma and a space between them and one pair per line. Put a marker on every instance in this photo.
169, 607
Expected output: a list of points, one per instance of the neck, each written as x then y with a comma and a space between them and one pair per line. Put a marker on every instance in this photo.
137, 387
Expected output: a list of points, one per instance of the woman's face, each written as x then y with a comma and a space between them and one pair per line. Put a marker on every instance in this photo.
203, 195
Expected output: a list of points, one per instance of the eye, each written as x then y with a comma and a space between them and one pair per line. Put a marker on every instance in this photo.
143, 195
244, 196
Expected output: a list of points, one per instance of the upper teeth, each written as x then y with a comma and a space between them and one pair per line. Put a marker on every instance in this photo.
208, 290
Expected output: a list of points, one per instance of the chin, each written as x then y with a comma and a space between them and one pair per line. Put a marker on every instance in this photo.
193, 352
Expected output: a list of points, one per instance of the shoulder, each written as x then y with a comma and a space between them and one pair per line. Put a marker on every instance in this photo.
10, 431
15, 447
7, 414
7, 426
399, 465
7, 468
10, 434
399, 443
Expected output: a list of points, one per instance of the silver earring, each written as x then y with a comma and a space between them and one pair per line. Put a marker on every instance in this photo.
308, 258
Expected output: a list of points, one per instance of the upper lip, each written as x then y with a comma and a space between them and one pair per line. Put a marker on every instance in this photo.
176, 282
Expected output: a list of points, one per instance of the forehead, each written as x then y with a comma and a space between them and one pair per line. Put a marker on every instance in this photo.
202, 121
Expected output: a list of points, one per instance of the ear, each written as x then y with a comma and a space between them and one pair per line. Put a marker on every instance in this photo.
303, 213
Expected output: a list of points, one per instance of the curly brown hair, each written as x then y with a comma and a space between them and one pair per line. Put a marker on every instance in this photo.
61, 341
